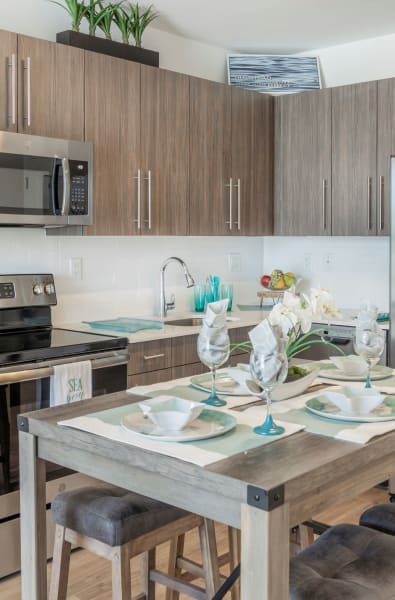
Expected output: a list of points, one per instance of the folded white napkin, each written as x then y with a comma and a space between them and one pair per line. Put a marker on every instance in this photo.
213, 340
71, 382
268, 352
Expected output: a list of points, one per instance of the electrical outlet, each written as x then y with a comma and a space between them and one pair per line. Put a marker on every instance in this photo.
234, 262
327, 262
75, 267
308, 260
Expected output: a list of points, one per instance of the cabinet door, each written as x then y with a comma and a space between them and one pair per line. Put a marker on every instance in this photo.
36, 85
112, 123
354, 127
385, 149
302, 180
51, 89
252, 162
210, 158
8, 81
164, 151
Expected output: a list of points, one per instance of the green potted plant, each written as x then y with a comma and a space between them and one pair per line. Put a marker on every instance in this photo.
76, 9
130, 20
139, 21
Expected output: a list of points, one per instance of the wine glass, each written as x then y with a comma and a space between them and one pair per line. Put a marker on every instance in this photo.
213, 350
369, 343
269, 370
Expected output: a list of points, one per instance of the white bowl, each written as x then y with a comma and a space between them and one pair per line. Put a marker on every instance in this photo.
171, 413
355, 401
350, 365
294, 388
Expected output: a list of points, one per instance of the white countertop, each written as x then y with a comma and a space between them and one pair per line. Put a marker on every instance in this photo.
239, 319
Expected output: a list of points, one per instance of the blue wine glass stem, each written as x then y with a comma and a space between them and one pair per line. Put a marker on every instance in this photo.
213, 374
367, 382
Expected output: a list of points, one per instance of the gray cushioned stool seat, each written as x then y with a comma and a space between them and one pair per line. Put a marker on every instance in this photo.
380, 517
111, 515
346, 562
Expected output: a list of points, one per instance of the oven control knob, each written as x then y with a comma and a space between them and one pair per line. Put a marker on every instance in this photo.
49, 288
38, 289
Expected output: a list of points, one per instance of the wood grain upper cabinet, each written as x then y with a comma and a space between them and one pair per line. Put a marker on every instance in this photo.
112, 123
210, 158
50, 89
354, 129
303, 167
8, 81
164, 152
385, 149
252, 162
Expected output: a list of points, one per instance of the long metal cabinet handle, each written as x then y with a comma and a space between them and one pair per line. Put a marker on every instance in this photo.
149, 186
66, 187
324, 189
138, 178
369, 203
153, 356
238, 204
12, 68
381, 200
230, 186
27, 69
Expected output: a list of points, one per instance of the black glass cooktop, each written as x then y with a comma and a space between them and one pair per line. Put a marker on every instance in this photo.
50, 343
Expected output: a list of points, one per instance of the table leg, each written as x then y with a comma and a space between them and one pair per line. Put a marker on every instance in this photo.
264, 553
33, 520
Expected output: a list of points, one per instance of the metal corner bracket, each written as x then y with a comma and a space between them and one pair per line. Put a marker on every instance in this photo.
265, 499
23, 424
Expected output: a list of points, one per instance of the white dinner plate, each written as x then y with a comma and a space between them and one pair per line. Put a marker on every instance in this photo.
377, 372
323, 407
210, 423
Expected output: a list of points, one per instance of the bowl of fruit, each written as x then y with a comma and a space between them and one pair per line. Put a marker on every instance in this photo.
278, 281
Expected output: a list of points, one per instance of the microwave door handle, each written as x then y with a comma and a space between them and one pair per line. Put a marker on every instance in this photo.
66, 187
54, 186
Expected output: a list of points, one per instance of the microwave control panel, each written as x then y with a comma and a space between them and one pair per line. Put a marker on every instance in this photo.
78, 187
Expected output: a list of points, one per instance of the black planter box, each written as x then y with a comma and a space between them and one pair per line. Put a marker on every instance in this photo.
103, 46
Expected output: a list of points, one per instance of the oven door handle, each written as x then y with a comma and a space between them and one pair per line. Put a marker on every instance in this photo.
48, 371
337, 341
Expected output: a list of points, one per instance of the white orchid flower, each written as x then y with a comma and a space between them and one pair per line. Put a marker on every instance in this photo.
322, 303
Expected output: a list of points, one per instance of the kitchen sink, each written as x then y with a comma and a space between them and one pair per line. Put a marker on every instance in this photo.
188, 322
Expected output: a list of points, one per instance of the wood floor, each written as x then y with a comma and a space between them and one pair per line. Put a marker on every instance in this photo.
90, 576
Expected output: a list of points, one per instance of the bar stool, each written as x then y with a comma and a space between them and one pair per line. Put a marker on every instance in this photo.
347, 561
380, 517
117, 525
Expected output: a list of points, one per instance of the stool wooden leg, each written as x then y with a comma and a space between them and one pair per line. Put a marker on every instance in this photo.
148, 560
60, 565
234, 558
121, 580
176, 550
208, 546
306, 536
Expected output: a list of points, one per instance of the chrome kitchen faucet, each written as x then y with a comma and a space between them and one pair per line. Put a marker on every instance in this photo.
164, 305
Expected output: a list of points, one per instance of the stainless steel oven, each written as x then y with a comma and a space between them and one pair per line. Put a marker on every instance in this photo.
29, 349
44, 181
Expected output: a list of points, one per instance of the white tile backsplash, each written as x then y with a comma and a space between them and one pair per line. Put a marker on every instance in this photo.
120, 276
358, 267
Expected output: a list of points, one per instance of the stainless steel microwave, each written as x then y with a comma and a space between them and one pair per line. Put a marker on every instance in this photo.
44, 181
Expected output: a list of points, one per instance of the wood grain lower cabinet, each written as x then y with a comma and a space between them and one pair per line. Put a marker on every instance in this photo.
303, 165
8, 81
112, 123
171, 358
354, 152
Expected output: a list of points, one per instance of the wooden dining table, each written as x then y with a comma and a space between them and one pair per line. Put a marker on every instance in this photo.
264, 491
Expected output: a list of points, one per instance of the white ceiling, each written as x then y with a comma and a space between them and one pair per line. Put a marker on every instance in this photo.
276, 26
